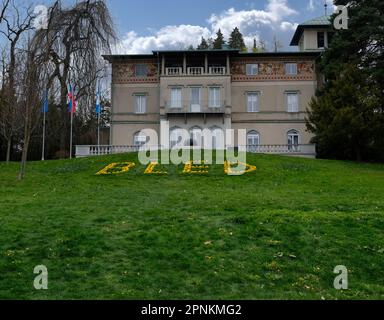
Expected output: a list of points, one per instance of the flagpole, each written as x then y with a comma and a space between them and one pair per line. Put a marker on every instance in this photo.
71, 137
98, 129
43, 151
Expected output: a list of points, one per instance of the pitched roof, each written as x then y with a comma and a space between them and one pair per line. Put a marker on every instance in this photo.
319, 22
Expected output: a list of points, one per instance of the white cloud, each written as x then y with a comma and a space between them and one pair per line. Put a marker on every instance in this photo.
288, 26
250, 22
169, 37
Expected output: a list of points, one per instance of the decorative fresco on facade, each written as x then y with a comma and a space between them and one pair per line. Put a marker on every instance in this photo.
124, 72
272, 70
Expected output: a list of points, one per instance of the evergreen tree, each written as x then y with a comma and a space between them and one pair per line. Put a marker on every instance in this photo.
347, 117
203, 45
236, 40
344, 118
219, 41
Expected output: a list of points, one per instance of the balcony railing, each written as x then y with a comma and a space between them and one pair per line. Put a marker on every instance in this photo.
198, 107
302, 149
174, 71
195, 71
298, 150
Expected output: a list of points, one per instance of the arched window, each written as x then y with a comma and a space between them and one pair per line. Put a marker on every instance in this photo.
293, 138
217, 138
253, 141
139, 139
175, 136
196, 137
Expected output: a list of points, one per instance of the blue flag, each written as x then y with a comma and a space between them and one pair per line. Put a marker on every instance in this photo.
98, 102
44, 108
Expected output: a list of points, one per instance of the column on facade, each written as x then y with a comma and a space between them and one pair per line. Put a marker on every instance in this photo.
185, 64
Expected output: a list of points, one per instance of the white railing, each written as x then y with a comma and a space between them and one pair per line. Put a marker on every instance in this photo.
86, 151
303, 150
174, 71
217, 70
195, 71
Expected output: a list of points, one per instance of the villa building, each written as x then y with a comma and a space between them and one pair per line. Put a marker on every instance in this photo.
267, 93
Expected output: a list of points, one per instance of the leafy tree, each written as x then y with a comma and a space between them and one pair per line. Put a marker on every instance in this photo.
236, 40
344, 118
203, 45
347, 117
219, 41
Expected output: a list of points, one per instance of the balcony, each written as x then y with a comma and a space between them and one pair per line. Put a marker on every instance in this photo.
195, 71
187, 107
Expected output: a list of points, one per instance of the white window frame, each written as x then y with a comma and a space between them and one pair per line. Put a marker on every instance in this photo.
253, 106
195, 106
214, 97
176, 98
324, 39
253, 135
140, 103
293, 140
290, 107
252, 69
291, 69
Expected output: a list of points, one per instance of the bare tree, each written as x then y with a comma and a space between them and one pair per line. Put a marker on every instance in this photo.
73, 44
277, 45
30, 98
3, 9
13, 29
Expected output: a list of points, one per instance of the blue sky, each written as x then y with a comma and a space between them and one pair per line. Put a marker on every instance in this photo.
145, 25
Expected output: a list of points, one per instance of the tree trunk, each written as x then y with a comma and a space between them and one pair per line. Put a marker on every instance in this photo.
24, 158
359, 157
9, 145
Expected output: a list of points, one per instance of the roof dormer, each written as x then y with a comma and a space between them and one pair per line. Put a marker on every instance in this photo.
313, 35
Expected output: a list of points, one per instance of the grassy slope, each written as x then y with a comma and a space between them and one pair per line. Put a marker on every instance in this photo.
276, 233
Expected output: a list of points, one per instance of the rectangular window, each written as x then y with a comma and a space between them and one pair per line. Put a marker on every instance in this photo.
214, 98
320, 40
176, 98
291, 69
140, 104
293, 102
252, 69
253, 102
141, 70
195, 99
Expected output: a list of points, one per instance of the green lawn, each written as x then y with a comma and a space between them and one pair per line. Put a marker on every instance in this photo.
274, 233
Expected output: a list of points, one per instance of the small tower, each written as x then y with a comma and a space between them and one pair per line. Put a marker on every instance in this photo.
313, 35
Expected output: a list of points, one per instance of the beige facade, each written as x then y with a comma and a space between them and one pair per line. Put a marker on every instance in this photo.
267, 94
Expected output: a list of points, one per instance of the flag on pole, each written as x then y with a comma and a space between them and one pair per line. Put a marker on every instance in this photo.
44, 108
98, 102
71, 100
